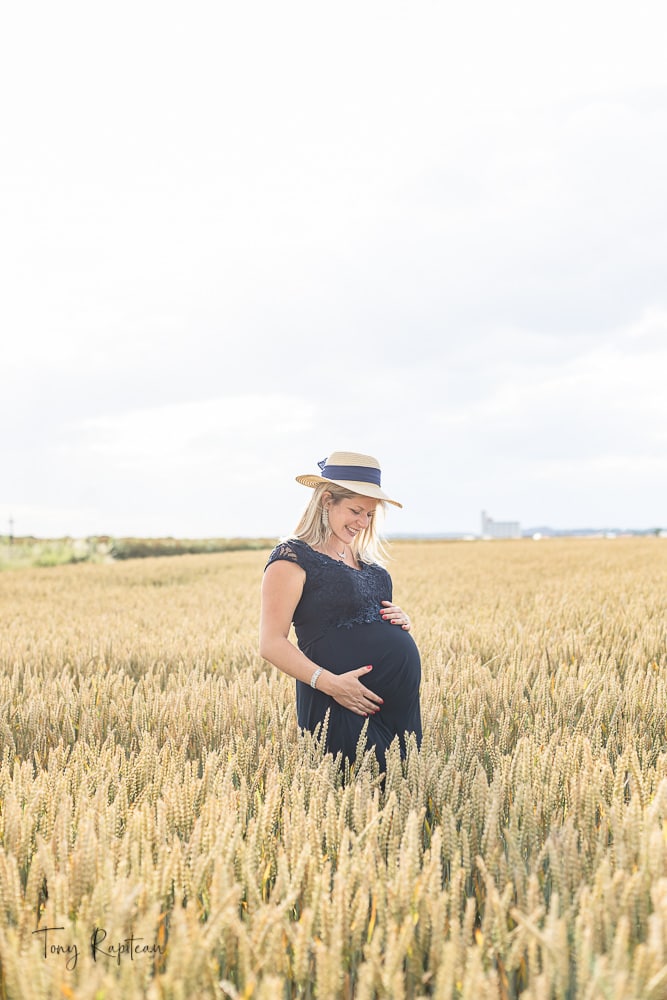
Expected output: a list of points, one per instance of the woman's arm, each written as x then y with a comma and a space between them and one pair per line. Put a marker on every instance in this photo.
282, 587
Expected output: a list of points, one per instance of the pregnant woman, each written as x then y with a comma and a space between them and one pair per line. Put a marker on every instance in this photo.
355, 658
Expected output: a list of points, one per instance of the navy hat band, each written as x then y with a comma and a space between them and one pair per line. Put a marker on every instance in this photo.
351, 473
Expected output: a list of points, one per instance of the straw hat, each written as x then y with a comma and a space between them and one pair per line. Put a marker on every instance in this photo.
358, 473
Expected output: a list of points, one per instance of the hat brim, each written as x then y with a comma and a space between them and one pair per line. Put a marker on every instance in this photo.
364, 489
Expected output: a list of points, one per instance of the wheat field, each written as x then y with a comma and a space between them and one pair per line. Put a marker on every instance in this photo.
166, 832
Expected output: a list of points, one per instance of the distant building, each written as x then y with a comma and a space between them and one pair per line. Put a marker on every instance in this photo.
499, 529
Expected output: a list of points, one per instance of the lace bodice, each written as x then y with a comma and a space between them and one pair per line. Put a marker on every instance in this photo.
334, 595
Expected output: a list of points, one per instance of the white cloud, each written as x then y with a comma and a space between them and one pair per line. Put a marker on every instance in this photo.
188, 434
608, 399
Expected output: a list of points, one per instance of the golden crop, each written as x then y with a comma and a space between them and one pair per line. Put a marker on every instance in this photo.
168, 833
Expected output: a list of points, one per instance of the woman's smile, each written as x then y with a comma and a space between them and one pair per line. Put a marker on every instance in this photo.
349, 517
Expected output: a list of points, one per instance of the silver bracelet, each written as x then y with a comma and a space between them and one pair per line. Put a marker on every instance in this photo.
313, 679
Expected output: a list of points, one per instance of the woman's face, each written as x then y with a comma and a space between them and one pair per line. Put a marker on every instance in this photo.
349, 516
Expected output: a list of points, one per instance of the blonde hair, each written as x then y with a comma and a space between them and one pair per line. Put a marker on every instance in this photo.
367, 546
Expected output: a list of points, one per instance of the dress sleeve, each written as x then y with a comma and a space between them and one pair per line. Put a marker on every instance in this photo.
288, 552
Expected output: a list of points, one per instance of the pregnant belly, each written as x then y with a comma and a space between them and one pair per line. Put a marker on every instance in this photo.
395, 676
391, 651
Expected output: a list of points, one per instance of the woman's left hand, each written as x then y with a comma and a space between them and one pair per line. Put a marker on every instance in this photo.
392, 613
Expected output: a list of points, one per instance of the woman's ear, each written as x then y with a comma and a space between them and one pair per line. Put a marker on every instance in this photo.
326, 499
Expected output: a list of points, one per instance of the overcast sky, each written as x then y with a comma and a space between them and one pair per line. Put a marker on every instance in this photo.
235, 237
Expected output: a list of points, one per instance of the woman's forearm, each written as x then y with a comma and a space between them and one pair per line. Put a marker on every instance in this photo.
284, 655
347, 689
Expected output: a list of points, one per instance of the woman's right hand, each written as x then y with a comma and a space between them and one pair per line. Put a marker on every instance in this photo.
349, 692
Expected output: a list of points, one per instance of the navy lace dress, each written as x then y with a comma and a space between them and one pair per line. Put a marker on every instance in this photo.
339, 626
